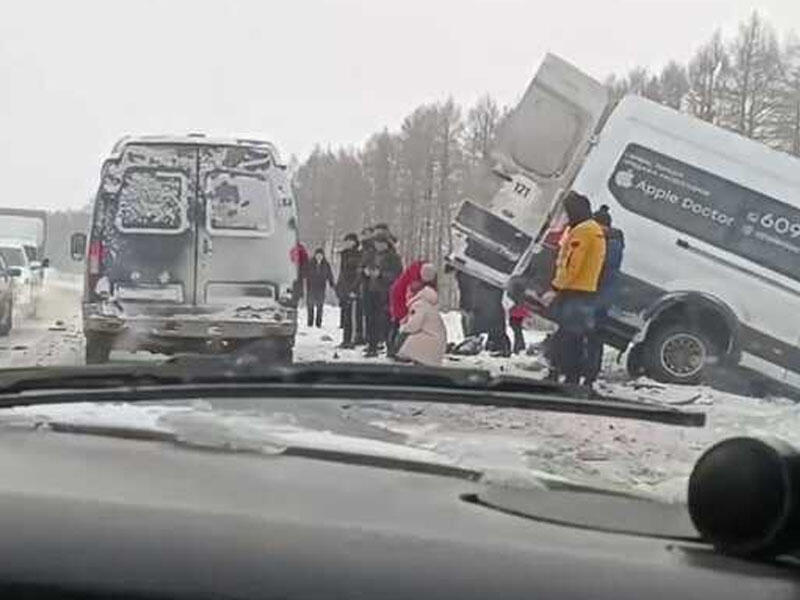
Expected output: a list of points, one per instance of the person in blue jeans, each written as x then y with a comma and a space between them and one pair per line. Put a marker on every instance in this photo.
572, 299
606, 293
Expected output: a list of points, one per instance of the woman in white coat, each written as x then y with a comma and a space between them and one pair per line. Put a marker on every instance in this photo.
423, 334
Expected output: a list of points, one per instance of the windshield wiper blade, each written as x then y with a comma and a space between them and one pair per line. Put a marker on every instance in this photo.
349, 381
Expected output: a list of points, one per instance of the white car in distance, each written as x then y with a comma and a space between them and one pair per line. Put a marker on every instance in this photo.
27, 275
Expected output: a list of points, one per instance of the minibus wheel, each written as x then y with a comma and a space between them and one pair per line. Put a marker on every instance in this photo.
677, 353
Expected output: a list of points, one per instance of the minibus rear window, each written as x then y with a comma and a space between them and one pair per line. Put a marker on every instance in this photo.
238, 204
151, 201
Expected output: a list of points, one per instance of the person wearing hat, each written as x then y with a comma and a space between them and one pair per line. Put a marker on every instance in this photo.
615, 247
423, 337
348, 290
419, 270
384, 228
379, 270
571, 302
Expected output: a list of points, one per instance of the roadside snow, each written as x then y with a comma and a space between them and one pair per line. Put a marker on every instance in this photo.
630, 454
649, 457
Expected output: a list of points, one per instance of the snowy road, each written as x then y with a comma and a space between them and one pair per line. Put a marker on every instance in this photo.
54, 336
644, 456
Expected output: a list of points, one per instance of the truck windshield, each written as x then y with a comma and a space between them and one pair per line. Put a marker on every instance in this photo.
12, 256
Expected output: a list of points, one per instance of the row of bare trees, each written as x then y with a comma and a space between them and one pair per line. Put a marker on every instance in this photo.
749, 83
413, 179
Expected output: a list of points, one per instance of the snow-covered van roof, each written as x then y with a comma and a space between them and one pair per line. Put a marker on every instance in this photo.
195, 139
740, 159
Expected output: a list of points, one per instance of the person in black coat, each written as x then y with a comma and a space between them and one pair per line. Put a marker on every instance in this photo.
318, 276
348, 289
380, 268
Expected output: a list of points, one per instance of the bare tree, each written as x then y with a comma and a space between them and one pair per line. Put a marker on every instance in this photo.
481, 125
787, 122
706, 80
673, 85
753, 79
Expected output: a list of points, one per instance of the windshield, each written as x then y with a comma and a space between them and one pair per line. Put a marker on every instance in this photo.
12, 256
599, 201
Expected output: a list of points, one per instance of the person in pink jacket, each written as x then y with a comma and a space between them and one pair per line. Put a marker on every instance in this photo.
423, 334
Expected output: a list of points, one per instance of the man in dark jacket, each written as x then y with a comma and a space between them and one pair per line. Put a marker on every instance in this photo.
367, 248
318, 277
615, 247
348, 289
379, 270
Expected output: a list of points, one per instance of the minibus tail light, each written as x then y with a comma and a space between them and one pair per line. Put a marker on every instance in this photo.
95, 257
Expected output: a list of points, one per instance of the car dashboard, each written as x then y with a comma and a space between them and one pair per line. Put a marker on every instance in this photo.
91, 516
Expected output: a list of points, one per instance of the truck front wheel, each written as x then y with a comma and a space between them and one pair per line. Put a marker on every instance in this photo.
677, 353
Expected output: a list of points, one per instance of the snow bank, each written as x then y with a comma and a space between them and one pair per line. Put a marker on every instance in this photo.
649, 457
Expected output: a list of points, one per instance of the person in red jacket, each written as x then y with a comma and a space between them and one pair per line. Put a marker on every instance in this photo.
516, 316
417, 271
299, 257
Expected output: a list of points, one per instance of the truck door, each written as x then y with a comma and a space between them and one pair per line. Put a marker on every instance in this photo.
540, 148
239, 254
549, 131
145, 243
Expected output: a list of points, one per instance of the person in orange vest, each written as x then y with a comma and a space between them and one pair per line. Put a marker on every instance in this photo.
574, 288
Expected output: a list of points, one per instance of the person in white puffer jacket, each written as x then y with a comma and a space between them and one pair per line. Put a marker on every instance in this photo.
423, 331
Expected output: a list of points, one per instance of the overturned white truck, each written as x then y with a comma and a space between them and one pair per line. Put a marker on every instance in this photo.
711, 272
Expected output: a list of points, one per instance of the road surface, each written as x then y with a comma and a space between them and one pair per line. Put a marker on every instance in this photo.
646, 456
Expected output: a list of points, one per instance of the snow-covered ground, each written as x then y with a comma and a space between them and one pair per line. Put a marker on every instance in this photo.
645, 456
649, 457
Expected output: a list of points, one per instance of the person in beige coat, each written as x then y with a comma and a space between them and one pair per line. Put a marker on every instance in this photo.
423, 332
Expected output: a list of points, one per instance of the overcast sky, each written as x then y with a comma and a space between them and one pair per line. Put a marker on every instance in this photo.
75, 75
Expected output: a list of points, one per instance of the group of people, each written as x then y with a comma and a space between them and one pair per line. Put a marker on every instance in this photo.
395, 310
382, 305
588, 262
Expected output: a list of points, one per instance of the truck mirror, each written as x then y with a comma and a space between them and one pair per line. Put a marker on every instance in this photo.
77, 246
45, 263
